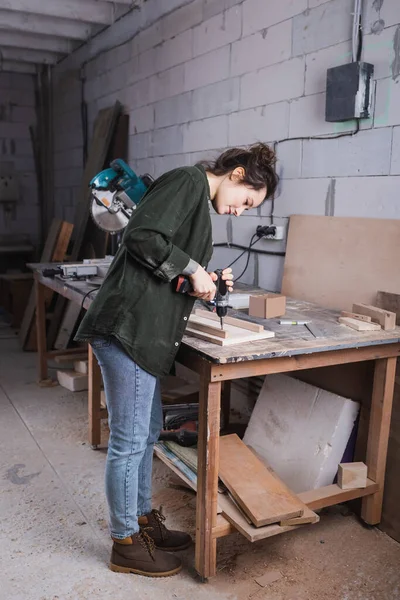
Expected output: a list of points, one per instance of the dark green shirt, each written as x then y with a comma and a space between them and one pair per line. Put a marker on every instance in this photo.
137, 303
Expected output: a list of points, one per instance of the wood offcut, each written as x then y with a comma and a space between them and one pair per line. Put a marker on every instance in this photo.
260, 494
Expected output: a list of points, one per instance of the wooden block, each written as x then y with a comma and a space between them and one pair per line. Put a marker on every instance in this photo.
352, 475
352, 315
75, 382
230, 321
70, 358
213, 329
267, 306
359, 325
389, 301
103, 402
260, 494
384, 317
81, 366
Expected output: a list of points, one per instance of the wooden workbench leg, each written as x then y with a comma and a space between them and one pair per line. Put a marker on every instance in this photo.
94, 377
207, 475
378, 436
226, 403
41, 330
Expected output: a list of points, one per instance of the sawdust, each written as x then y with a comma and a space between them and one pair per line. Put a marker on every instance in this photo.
337, 559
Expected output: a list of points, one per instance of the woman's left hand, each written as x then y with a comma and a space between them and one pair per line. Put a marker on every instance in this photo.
226, 276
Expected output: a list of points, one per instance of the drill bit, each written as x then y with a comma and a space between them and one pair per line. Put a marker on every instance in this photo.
222, 322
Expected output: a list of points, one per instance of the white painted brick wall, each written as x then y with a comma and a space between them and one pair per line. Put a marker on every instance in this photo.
261, 14
208, 68
262, 49
218, 31
214, 73
216, 99
376, 197
273, 84
349, 156
395, 164
17, 114
259, 124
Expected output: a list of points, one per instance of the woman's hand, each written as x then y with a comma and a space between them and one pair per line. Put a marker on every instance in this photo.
226, 276
203, 285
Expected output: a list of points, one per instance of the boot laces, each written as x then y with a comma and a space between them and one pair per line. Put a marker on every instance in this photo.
147, 541
160, 518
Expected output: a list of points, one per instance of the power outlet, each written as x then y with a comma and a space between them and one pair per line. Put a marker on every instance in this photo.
271, 232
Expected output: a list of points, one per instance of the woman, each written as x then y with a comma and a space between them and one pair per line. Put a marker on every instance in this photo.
135, 326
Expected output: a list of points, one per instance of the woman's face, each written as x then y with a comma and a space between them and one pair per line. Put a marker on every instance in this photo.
233, 197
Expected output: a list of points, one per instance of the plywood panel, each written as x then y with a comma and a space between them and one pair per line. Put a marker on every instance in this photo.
336, 261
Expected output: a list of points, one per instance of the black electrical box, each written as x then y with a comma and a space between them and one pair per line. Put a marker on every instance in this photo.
349, 92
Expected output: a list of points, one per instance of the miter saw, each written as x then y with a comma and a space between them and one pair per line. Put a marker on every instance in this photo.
116, 192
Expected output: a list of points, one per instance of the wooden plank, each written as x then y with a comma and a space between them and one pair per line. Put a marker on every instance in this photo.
253, 534
58, 255
389, 301
308, 516
352, 475
46, 256
200, 326
261, 495
222, 528
70, 358
353, 315
67, 325
333, 494
207, 480
385, 318
41, 329
230, 321
378, 435
359, 325
324, 265
103, 131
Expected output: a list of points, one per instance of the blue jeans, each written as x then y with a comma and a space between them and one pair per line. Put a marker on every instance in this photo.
135, 419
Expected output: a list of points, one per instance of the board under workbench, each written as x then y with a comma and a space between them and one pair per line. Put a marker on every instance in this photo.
292, 349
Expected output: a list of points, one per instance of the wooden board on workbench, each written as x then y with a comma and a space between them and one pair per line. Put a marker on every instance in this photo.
209, 331
359, 325
230, 320
260, 494
54, 250
336, 261
385, 318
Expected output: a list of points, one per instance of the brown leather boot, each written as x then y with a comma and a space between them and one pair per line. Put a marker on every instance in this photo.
164, 539
137, 554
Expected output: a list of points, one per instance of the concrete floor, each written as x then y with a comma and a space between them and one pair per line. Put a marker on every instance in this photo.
53, 528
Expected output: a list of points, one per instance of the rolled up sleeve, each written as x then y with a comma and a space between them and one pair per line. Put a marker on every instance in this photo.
150, 232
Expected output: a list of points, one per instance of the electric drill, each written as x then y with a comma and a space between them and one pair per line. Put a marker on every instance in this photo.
221, 299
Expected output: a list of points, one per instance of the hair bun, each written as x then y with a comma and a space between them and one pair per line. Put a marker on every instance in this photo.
263, 153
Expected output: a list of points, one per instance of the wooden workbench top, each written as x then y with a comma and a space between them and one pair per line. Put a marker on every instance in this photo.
289, 340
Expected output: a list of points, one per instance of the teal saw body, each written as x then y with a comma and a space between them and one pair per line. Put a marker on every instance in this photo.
116, 192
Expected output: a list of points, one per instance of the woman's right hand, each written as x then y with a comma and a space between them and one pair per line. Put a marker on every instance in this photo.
203, 285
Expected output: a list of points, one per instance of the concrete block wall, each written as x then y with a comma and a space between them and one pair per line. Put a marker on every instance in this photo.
201, 75
17, 114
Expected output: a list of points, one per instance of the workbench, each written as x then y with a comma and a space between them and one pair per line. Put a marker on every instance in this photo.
293, 349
